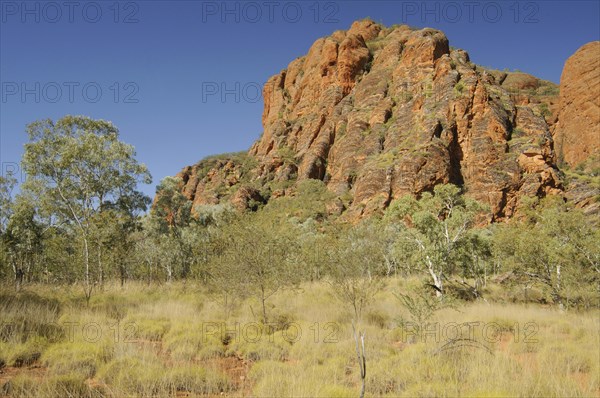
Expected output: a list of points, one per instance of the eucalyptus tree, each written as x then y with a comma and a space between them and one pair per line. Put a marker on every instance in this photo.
437, 232
81, 168
118, 227
7, 183
554, 246
254, 256
170, 216
22, 239
355, 262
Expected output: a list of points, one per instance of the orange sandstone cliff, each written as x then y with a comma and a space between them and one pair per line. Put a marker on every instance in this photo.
377, 113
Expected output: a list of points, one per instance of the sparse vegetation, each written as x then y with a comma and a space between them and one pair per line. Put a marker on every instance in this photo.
279, 300
544, 110
313, 355
459, 88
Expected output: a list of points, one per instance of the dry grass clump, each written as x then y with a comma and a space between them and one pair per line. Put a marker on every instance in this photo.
176, 340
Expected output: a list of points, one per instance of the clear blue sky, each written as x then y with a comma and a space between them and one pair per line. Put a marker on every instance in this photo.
156, 61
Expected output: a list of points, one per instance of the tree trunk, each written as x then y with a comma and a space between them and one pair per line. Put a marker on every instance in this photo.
149, 272
264, 308
18, 278
122, 275
362, 359
100, 266
86, 259
169, 274
437, 282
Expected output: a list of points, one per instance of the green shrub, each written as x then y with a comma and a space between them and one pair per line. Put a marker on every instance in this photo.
77, 358
115, 306
377, 318
197, 380
153, 329
459, 88
22, 386
27, 315
518, 132
213, 348
135, 377
147, 377
264, 368
274, 347
187, 342
183, 342
69, 386
23, 354
280, 321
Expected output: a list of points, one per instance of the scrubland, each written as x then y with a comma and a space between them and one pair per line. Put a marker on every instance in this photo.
177, 340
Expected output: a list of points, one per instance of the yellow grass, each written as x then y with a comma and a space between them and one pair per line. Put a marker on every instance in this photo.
176, 341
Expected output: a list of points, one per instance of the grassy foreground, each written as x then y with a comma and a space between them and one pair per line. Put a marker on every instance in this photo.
176, 340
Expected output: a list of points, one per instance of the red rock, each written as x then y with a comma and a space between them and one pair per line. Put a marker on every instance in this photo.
577, 132
378, 113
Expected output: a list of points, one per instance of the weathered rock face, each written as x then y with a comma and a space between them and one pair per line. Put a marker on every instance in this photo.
211, 180
577, 132
585, 195
378, 113
524, 89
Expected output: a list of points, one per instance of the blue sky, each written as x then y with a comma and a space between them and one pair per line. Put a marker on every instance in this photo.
180, 78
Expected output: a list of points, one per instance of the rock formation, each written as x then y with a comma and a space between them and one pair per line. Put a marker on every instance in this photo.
577, 132
377, 113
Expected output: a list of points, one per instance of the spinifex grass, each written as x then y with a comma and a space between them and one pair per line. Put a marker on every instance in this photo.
174, 340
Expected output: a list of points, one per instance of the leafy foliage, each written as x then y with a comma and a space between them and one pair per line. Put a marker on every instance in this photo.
436, 233
79, 169
561, 255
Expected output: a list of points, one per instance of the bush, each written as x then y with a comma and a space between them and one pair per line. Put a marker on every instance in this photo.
23, 354
26, 315
79, 358
145, 377
68, 386
112, 305
274, 347
183, 342
21, 386
377, 318
153, 329
197, 380
71, 386
188, 342
132, 376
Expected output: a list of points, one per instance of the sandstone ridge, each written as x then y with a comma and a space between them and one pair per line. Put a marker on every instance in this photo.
377, 113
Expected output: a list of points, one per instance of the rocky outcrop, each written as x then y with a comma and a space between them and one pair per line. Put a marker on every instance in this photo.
577, 132
540, 95
216, 178
585, 194
377, 113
